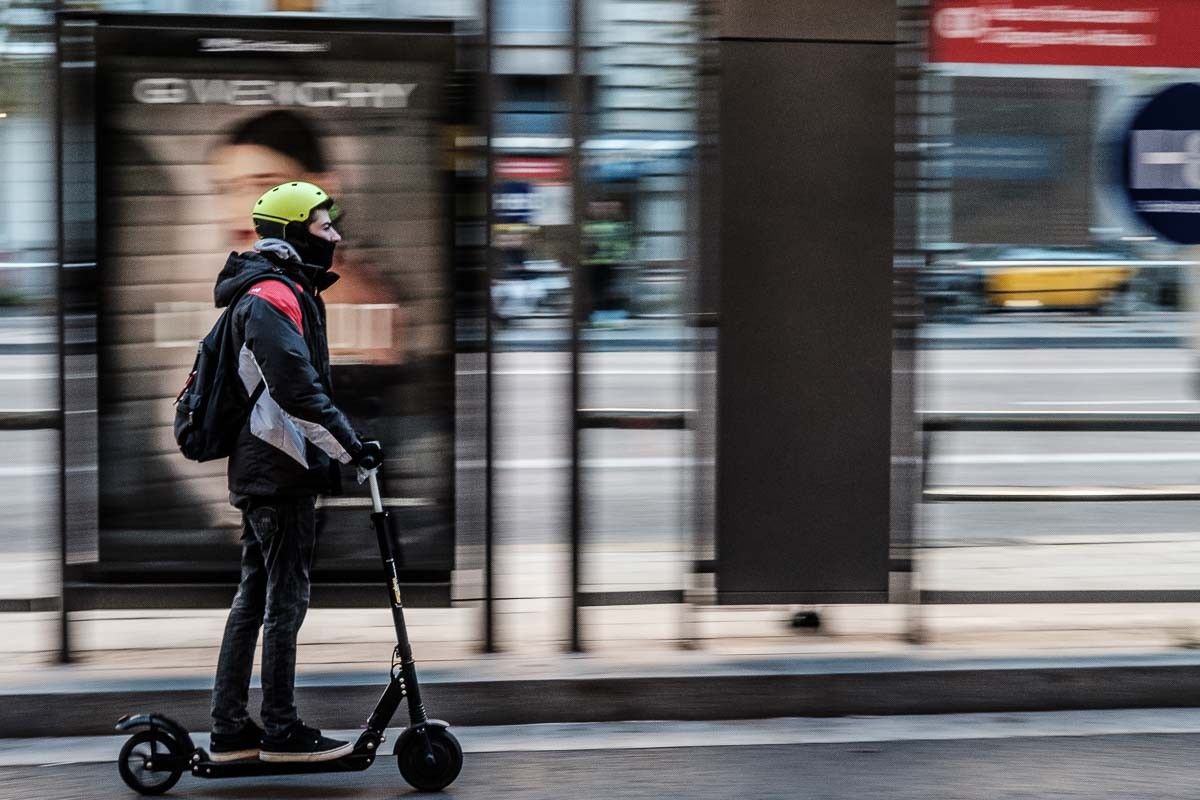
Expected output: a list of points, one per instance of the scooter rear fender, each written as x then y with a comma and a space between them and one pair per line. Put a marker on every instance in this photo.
171, 727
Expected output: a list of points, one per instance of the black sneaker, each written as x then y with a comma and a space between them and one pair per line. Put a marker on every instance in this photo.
246, 743
302, 744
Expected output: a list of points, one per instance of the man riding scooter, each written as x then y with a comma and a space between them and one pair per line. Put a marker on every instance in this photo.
285, 455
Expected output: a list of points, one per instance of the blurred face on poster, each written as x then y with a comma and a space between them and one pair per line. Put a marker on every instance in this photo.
262, 152
282, 145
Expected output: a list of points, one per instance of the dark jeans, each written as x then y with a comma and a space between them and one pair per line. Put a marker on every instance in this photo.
278, 540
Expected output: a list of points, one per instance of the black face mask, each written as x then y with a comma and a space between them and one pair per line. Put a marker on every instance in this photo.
313, 250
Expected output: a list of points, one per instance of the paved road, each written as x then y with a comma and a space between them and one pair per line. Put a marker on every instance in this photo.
964, 759
1108, 381
26, 467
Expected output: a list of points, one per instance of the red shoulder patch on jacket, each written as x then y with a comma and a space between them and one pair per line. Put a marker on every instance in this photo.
282, 297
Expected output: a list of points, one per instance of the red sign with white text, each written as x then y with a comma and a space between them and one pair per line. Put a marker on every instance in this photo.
1103, 33
520, 168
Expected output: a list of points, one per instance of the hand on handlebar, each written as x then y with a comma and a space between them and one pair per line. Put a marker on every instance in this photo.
370, 456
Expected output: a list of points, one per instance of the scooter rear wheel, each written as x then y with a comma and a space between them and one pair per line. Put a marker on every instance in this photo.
434, 768
136, 762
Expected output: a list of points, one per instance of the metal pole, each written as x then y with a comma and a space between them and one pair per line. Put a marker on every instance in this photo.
916, 633
579, 307
489, 109
687, 622
64, 641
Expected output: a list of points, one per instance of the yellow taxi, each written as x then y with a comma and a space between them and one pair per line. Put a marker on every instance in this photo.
1026, 278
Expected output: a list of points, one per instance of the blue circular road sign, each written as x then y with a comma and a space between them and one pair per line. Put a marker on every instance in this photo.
1162, 163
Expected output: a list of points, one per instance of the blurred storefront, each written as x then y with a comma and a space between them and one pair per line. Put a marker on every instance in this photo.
641, 64
1025, 106
27, 239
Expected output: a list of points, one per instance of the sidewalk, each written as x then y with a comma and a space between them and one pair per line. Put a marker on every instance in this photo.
740, 662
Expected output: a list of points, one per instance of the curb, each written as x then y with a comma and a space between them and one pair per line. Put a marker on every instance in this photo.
688, 698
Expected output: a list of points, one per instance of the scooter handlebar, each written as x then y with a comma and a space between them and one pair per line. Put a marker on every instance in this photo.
373, 482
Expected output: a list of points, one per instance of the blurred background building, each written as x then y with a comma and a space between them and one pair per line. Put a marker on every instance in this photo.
1024, 110
641, 92
997, 152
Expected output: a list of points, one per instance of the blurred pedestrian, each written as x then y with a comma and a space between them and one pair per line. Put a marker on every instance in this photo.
607, 244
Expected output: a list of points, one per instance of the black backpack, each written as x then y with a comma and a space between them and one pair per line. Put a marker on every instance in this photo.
212, 406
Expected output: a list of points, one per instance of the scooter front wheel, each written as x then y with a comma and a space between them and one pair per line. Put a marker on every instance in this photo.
136, 763
431, 759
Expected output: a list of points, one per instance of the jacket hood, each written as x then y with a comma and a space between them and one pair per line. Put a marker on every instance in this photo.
268, 255
239, 272
281, 250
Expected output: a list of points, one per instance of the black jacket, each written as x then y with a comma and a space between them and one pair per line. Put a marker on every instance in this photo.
295, 433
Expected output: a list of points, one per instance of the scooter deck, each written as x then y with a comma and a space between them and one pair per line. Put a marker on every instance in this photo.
206, 768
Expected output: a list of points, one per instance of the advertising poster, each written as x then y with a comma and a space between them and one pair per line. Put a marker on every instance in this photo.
1098, 33
197, 117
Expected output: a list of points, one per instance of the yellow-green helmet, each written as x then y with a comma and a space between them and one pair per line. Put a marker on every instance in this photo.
288, 202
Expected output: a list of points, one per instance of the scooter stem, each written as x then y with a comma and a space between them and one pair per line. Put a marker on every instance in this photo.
404, 682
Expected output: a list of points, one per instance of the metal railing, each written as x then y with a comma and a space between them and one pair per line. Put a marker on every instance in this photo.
29, 420
1068, 422
628, 419
633, 419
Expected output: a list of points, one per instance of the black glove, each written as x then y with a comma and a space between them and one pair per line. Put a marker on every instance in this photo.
370, 456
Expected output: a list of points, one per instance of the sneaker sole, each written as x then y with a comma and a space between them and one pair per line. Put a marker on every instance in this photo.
306, 758
235, 755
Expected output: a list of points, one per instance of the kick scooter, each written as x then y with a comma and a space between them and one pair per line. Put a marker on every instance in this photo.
430, 758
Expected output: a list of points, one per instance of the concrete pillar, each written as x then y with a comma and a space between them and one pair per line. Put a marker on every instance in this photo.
798, 217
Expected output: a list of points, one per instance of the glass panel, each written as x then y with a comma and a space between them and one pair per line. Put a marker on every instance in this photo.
533, 16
